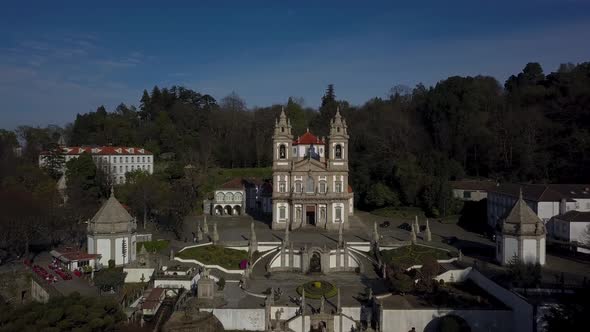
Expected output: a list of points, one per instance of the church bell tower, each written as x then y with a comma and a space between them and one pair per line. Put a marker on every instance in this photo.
338, 143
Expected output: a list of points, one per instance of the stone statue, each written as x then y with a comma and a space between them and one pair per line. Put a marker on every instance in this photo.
215, 236
413, 235
428, 233
205, 226
199, 233
416, 225
322, 304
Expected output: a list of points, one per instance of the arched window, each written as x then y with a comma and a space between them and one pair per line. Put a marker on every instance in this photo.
238, 197
282, 152
338, 151
220, 197
309, 185
229, 197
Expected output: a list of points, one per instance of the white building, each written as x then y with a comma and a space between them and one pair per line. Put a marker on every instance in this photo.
112, 233
115, 161
229, 199
176, 276
546, 200
471, 190
522, 235
572, 226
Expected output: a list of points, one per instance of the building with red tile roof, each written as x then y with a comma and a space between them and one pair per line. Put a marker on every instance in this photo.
116, 161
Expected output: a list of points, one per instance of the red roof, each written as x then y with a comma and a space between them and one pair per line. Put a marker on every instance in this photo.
308, 138
153, 299
349, 189
104, 150
235, 183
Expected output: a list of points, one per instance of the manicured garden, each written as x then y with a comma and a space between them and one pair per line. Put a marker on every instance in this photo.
407, 256
316, 289
215, 255
153, 246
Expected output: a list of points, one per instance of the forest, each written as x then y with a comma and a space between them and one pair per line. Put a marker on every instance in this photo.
404, 148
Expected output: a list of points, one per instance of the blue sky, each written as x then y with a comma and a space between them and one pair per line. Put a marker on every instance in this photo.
59, 58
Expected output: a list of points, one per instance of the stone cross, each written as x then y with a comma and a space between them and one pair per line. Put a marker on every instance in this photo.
205, 226
215, 237
413, 231
428, 233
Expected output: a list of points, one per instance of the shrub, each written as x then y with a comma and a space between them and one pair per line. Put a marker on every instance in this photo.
221, 283
401, 282
407, 256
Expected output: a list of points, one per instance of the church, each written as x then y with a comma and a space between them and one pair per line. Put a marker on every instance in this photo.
310, 177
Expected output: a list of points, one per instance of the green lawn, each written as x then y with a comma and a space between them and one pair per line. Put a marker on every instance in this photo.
412, 255
399, 212
215, 255
153, 246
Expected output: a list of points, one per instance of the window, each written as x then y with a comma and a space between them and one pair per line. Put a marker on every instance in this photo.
282, 186
338, 186
298, 187
114, 169
295, 152
238, 197
120, 179
322, 187
466, 194
120, 169
132, 159
220, 197
309, 186
126, 159
126, 168
282, 212
143, 159
282, 152
120, 159
282, 129
338, 151
229, 197
149, 167
338, 213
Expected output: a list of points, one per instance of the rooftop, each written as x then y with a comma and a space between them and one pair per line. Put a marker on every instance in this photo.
574, 216
112, 217
544, 192
522, 220
153, 299
308, 138
104, 150
71, 254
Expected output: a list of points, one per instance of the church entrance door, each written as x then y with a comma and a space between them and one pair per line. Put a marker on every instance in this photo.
315, 263
310, 215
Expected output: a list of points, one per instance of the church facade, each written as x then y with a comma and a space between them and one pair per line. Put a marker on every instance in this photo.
310, 177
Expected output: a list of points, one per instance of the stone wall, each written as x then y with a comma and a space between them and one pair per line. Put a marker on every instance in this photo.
240, 319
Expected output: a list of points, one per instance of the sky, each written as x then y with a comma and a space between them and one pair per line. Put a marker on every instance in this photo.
60, 58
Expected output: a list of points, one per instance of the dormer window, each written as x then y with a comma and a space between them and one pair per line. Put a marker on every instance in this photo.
338, 151
282, 152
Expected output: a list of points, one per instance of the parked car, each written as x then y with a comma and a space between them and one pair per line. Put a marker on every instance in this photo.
384, 224
405, 226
